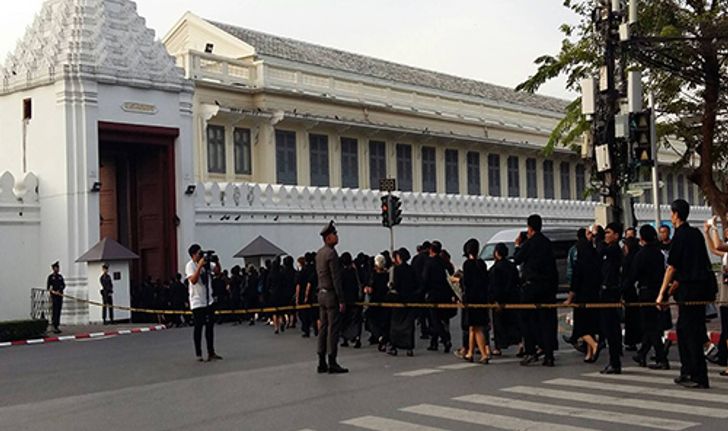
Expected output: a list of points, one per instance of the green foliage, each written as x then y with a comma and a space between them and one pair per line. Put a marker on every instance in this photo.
22, 329
682, 48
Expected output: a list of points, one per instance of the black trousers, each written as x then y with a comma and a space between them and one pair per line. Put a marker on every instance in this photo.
690, 337
108, 299
204, 316
541, 327
57, 303
439, 327
651, 333
612, 332
328, 337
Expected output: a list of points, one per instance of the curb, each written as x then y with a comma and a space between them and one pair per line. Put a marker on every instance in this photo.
83, 336
714, 336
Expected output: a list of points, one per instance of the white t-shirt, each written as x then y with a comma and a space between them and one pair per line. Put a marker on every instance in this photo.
198, 291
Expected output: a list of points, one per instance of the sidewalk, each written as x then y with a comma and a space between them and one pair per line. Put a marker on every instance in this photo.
82, 332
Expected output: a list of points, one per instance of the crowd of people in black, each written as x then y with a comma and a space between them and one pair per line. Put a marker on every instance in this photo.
606, 265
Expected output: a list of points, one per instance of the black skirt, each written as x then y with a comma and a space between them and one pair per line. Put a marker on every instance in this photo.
402, 328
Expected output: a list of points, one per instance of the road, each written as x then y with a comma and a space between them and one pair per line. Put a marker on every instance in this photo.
267, 382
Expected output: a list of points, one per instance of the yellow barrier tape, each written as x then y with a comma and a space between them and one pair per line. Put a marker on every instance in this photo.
534, 306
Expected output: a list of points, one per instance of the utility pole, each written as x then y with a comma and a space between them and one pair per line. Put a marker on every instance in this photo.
609, 102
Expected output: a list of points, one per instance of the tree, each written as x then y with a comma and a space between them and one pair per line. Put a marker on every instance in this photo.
681, 46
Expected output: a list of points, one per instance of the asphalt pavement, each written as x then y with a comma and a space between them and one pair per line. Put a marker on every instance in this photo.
268, 382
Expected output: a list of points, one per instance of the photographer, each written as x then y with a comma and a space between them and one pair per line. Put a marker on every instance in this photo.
198, 274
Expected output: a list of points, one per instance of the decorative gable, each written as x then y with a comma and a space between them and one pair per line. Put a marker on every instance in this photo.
105, 38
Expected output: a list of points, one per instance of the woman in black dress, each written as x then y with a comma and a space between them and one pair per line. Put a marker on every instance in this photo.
404, 289
351, 320
250, 292
378, 317
475, 291
585, 285
276, 286
503, 288
289, 292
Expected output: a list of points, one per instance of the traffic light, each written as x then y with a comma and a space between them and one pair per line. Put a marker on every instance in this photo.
385, 211
640, 131
395, 208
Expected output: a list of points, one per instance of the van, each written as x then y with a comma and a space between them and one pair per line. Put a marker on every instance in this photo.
561, 239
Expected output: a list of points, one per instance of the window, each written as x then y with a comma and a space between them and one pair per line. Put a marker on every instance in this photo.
349, 163
494, 187
429, 173
514, 181
473, 162
452, 180
565, 180
319, 159
580, 182
241, 143
531, 179
377, 163
548, 179
404, 167
681, 187
670, 188
216, 149
286, 172
691, 194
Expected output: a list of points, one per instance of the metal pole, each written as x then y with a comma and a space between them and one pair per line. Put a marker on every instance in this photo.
655, 175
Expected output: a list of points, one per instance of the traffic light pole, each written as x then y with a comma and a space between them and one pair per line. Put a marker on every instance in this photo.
391, 231
655, 174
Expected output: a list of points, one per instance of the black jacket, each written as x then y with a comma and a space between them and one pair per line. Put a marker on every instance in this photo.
539, 273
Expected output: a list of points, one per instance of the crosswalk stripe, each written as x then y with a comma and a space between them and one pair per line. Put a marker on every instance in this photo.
417, 373
674, 372
384, 424
642, 390
634, 403
711, 367
578, 412
460, 366
648, 379
487, 419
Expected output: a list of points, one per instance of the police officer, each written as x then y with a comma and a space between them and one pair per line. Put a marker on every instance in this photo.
611, 293
689, 271
330, 297
55, 286
107, 294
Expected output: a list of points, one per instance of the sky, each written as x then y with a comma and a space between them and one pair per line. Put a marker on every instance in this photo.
494, 41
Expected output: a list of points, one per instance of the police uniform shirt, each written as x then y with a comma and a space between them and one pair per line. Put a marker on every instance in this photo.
329, 271
56, 283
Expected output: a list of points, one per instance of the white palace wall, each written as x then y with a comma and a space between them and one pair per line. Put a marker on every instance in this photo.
20, 233
230, 215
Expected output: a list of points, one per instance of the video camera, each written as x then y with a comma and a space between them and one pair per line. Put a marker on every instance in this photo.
210, 257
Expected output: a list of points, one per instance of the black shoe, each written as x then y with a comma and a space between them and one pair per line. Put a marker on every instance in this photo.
681, 379
56, 331
693, 385
305, 335
335, 368
252, 322
392, 352
432, 348
548, 362
410, 353
357, 344
344, 344
640, 360
528, 360
213, 357
521, 353
322, 367
609, 369
630, 348
659, 366
448, 347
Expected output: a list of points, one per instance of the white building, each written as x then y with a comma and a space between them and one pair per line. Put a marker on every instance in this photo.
220, 134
